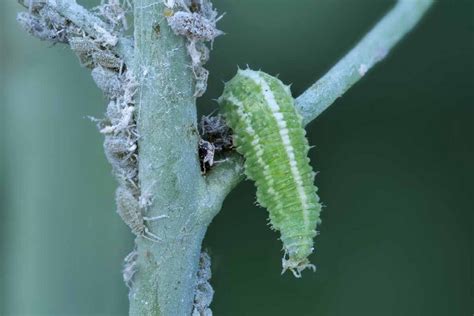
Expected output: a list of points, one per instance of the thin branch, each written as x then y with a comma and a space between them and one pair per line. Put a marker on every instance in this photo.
220, 181
370, 50
373, 48
91, 24
80, 16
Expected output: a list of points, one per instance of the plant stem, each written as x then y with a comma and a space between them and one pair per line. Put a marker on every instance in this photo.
169, 170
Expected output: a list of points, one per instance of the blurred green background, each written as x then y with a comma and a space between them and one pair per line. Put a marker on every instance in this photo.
395, 156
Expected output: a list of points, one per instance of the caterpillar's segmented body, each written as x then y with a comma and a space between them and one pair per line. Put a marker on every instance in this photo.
268, 131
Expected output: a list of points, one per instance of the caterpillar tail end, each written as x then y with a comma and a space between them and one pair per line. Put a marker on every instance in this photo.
296, 266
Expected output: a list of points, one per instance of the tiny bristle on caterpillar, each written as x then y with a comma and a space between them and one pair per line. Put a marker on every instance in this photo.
268, 132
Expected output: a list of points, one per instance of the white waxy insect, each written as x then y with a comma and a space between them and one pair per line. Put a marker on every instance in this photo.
128, 207
206, 153
194, 26
130, 267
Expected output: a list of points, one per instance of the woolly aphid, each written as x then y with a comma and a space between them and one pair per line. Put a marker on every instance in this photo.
203, 290
129, 210
216, 139
130, 267
196, 21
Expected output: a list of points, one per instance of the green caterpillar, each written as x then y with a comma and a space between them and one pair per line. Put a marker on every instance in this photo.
268, 132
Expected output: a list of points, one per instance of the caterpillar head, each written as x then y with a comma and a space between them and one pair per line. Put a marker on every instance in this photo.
296, 266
